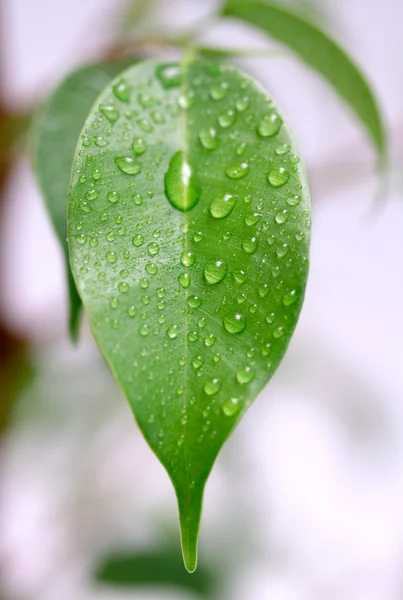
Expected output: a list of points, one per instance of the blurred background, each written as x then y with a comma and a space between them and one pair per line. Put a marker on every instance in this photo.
306, 499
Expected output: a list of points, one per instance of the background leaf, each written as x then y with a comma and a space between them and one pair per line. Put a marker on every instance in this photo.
321, 53
53, 142
159, 568
192, 300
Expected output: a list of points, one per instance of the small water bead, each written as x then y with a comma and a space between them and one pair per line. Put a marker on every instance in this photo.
281, 216
270, 125
161, 305
132, 311
215, 271
245, 375
241, 298
124, 273
85, 207
96, 174
110, 236
253, 219
209, 340
113, 197
227, 119
127, 165
198, 236
194, 301
282, 149
173, 332
144, 329
240, 277
86, 141
153, 248
192, 336
208, 138
138, 240
93, 242
139, 146
270, 318
278, 333
293, 200
282, 250
222, 205
161, 319
169, 75
231, 407
219, 91
122, 91
104, 217
187, 258
111, 256
263, 290
290, 298
123, 287
278, 176
184, 280
234, 323
110, 113
250, 245
241, 149
146, 300
100, 141
161, 293
242, 104
91, 195
115, 324
151, 269
202, 322
212, 386
197, 362
237, 171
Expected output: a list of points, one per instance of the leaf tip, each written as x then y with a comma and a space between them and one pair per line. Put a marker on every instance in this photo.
190, 506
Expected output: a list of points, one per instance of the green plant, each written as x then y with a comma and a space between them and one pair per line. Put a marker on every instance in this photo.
188, 229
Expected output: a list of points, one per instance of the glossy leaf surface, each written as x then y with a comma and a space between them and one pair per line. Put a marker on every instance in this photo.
53, 143
190, 252
322, 53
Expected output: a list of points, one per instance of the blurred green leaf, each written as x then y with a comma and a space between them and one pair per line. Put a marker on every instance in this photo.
54, 135
159, 568
320, 52
190, 253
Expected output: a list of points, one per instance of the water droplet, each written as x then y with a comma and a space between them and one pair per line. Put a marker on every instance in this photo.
123, 287
127, 165
263, 290
110, 236
219, 90
91, 195
245, 375
281, 216
250, 245
184, 280
110, 113
137, 199
139, 146
122, 90
215, 271
144, 283
187, 258
212, 386
173, 332
293, 200
111, 256
208, 138
100, 141
180, 187
113, 197
153, 248
209, 340
231, 407
279, 332
137, 240
282, 149
241, 149
252, 219
227, 119
145, 125
270, 125
290, 298
197, 362
235, 323
194, 301
144, 329
169, 75
161, 305
240, 276
132, 311
193, 336
237, 171
270, 318
151, 268
278, 176
242, 104
222, 205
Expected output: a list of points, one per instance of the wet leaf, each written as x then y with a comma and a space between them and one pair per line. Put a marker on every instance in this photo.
53, 142
318, 50
190, 254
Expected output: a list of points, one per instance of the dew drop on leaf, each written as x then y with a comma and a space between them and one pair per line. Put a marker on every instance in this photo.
208, 138
235, 323
127, 165
180, 188
169, 75
237, 171
231, 407
278, 176
270, 125
215, 271
222, 205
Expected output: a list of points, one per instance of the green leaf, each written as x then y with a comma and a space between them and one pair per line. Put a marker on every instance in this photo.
320, 52
53, 142
190, 254
159, 568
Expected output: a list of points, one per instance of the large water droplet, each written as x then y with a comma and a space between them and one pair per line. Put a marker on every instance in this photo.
194, 301
235, 323
187, 258
138, 240
128, 165
169, 75
212, 386
245, 375
221, 206
250, 245
270, 125
227, 119
208, 138
184, 280
173, 332
122, 91
215, 271
111, 256
110, 113
278, 176
180, 187
290, 298
237, 171
231, 407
